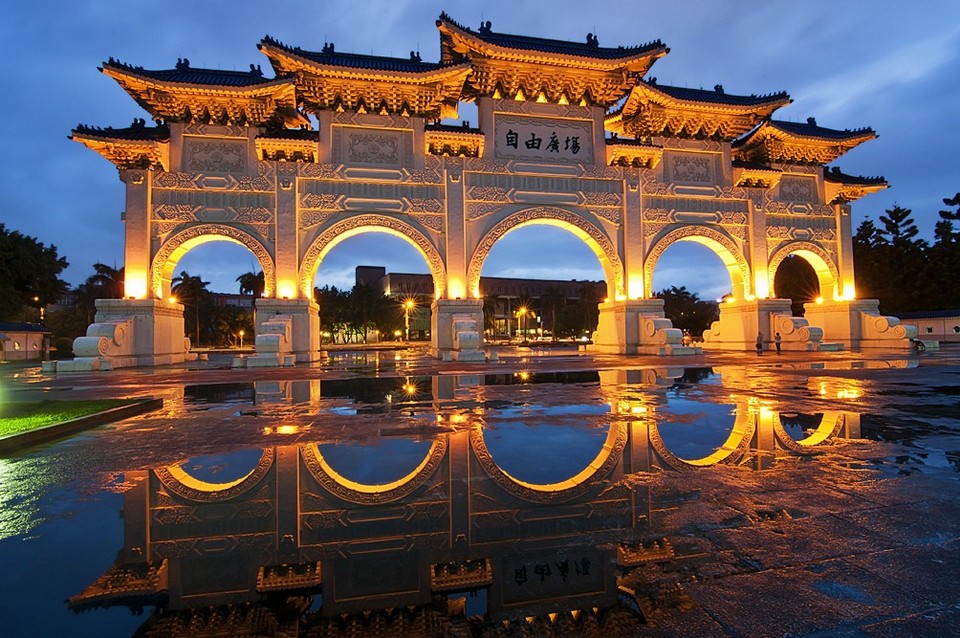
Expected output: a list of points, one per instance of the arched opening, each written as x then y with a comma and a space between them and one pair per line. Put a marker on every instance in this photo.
796, 261
374, 284
217, 279
543, 279
217, 477
691, 278
702, 434
795, 279
702, 266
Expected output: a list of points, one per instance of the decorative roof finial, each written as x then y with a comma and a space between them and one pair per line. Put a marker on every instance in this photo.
812, 121
718, 88
415, 56
485, 27
183, 64
256, 70
327, 48
593, 40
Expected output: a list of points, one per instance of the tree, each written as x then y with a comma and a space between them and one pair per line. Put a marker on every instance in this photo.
105, 283
797, 281
252, 284
552, 302
29, 274
490, 303
687, 311
192, 292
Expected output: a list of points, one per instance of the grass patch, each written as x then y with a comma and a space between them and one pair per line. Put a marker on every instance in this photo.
23, 416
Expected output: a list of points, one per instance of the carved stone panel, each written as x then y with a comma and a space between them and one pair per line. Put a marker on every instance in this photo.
375, 148
214, 155
693, 169
541, 139
794, 188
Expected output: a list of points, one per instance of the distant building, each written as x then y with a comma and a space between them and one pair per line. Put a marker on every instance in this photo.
221, 299
23, 341
506, 291
942, 325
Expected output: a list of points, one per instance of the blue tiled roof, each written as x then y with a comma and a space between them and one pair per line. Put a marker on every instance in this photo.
835, 175
329, 56
583, 49
810, 129
718, 96
139, 131
185, 74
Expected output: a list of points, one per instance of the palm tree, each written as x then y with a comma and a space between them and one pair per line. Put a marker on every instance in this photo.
490, 303
104, 283
192, 291
551, 301
252, 284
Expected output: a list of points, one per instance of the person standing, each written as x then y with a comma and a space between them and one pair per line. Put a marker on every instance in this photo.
777, 340
759, 343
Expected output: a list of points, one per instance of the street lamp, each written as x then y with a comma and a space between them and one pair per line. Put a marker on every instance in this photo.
241, 338
521, 314
36, 300
408, 307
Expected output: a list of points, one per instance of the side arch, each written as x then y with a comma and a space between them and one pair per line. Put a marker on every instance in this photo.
731, 451
722, 244
358, 224
823, 264
179, 482
577, 224
182, 242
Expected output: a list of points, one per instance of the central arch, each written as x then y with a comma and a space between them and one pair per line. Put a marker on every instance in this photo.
359, 224
723, 245
575, 223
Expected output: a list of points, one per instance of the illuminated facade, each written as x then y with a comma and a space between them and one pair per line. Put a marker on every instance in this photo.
570, 134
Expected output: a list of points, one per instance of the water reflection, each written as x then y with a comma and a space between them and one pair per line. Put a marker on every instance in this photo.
507, 503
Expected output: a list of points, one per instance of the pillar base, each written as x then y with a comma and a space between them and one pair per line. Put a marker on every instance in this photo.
456, 330
638, 326
286, 330
128, 333
857, 323
741, 321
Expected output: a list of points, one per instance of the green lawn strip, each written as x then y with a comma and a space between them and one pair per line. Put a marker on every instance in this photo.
24, 416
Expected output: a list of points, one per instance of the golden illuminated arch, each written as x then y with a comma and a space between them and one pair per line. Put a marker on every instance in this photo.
830, 425
600, 467
827, 273
720, 243
360, 224
731, 451
179, 482
576, 223
179, 244
351, 491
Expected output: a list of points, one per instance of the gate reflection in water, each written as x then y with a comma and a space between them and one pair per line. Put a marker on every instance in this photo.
500, 496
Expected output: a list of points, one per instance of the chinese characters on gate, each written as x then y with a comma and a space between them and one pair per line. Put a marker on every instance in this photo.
558, 569
571, 143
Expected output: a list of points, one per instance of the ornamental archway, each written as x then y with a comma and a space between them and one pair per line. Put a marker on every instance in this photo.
822, 262
576, 223
720, 243
363, 223
179, 244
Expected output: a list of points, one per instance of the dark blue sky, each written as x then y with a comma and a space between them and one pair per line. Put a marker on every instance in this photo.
888, 65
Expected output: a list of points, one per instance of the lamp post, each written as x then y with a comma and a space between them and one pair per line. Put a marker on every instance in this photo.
521, 322
408, 306
241, 339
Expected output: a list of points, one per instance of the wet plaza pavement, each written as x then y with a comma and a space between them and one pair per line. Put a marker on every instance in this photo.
545, 493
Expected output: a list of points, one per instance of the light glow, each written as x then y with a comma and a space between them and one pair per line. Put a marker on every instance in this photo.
286, 289
135, 285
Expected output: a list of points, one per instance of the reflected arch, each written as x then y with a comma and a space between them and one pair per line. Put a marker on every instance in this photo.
360, 224
720, 243
730, 451
575, 223
178, 479
610, 454
830, 425
822, 263
355, 492
179, 244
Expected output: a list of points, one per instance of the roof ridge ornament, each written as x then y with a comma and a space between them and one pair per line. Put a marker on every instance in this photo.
593, 41
182, 64
485, 28
328, 48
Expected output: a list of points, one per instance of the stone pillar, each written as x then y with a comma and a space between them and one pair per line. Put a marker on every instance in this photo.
136, 217
287, 253
456, 329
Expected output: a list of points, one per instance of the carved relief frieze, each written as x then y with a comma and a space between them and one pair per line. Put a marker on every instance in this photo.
657, 215
596, 235
423, 205
431, 175
322, 201
373, 148
266, 169
727, 218
740, 232
478, 165
650, 185
216, 130
697, 205
255, 184
602, 198
176, 180
214, 156
527, 107
710, 146
389, 121
253, 215
311, 218
798, 189
613, 215
435, 261
695, 169
732, 192
476, 210
433, 222
487, 194
320, 171
176, 212
652, 229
